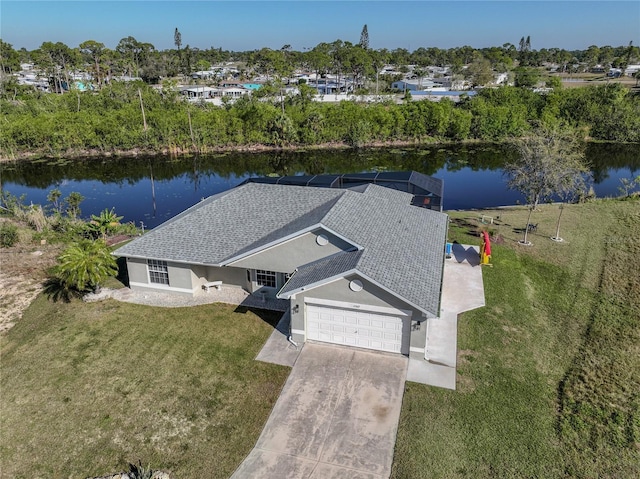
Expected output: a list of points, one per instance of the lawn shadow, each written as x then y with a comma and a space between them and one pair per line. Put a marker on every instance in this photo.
269, 316
470, 226
56, 290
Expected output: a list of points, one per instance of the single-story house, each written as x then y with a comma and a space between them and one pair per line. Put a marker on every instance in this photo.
198, 92
204, 75
415, 85
235, 92
328, 86
359, 268
631, 70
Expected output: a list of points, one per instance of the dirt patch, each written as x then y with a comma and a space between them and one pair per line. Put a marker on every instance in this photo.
17, 294
23, 268
465, 384
467, 356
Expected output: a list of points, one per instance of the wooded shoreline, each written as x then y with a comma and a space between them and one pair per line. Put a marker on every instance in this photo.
114, 122
255, 148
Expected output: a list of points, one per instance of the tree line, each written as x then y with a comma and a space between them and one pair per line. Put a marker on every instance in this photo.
126, 116
141, 59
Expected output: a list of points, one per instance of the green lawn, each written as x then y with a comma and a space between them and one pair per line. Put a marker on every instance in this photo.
88, 388
549, 370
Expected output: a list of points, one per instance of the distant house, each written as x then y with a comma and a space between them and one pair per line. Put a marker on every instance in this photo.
204, 75
331, 86
231, 84
359, 268
423, 84
31, 78
211, 94
235, 91
198, 92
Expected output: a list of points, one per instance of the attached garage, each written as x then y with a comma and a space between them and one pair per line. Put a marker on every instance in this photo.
370, 327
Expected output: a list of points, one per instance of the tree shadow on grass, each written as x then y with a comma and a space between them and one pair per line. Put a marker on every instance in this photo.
56, 291
470, 227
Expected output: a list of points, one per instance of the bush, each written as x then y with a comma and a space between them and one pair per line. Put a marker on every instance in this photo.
84, 265
8, 235
359, 134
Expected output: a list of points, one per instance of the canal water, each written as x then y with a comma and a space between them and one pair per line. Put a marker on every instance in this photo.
153, 189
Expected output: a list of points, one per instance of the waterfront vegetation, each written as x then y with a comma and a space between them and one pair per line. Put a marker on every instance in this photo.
548, 371
59, 220
113, 120
83, 259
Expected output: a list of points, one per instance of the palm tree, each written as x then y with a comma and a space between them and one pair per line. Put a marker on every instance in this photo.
105, 223
84, 265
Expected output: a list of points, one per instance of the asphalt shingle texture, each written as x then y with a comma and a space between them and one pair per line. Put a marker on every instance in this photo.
221, 227
322, 269
402, 245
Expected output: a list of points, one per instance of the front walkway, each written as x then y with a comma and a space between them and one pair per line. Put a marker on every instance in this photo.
462, 290
278, 349
226, 294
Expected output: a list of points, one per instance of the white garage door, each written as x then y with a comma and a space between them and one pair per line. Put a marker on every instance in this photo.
363, 328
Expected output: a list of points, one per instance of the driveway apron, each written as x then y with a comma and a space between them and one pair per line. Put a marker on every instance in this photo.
337, 417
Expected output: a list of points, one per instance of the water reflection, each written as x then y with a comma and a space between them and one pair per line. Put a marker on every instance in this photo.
153, 189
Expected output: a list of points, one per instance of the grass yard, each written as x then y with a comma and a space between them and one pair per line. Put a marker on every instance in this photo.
88, 388
549, 370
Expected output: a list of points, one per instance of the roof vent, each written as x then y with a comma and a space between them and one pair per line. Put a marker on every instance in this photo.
356, 285
322, 240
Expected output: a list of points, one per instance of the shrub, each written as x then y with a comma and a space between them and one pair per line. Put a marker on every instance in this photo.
36, 218
84, 265
8, 235
140, 472
359, 133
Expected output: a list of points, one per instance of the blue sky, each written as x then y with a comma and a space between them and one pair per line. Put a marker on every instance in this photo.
249, 25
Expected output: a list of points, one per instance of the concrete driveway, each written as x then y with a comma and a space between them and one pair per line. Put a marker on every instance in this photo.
337, 417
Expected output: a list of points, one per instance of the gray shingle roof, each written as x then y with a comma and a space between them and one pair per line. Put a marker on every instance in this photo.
321, 270
243, 219
388, 194
402, 245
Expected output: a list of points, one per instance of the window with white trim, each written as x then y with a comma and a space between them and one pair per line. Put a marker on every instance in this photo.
266, 278
158, 271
